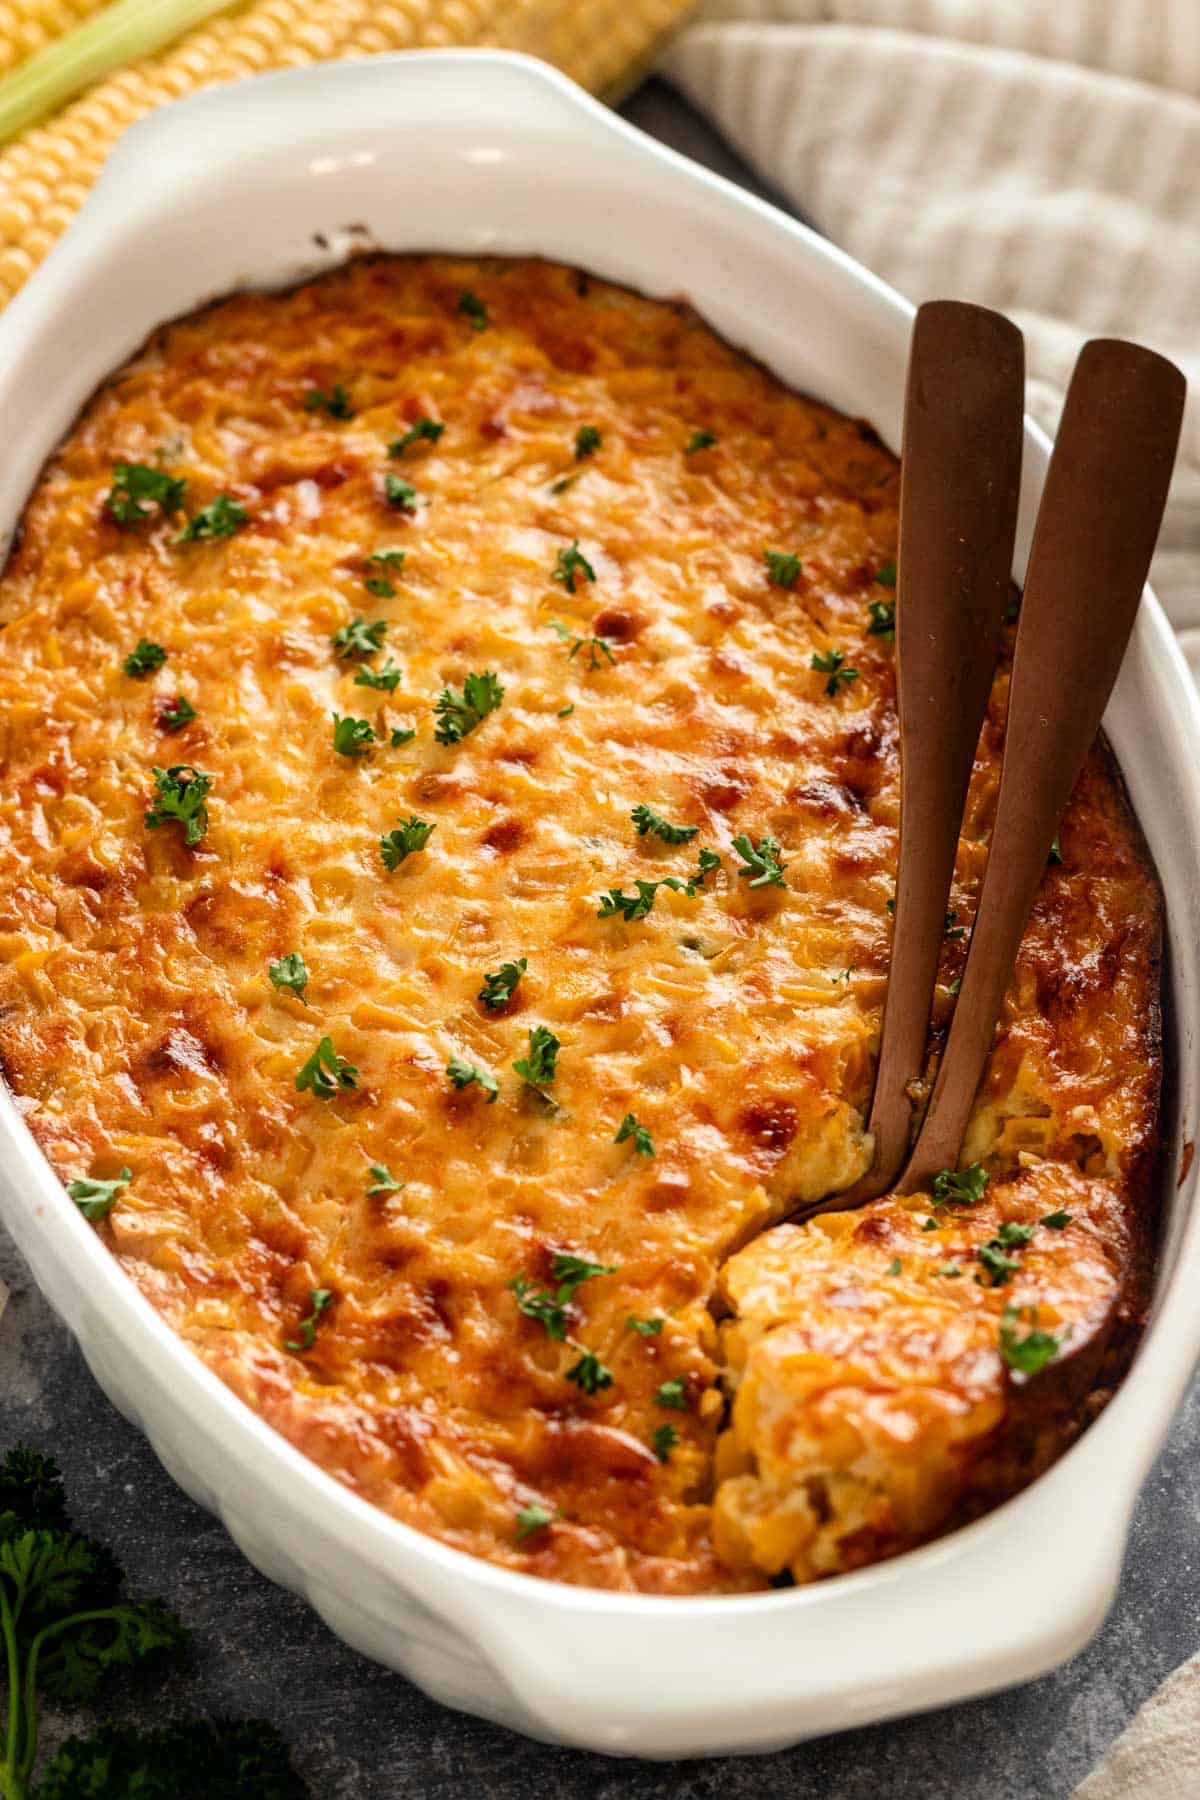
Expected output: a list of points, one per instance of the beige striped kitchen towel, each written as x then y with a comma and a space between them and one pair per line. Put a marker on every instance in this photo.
1042, 156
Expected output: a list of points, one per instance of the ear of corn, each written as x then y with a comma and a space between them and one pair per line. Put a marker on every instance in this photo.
46, 169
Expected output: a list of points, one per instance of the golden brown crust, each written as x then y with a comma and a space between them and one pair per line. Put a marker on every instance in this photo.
138, 1025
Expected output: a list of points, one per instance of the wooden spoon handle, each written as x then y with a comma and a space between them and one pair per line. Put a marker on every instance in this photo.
1100, 515
961, 470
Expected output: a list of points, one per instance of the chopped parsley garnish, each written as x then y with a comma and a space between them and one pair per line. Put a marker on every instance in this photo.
134, 482
96, 1199
181, 712
380, 586
643, 1143
1055, 853
760, 861
383, 1181
952, 928
319, 1300
596, 646
564, 712
400, 495
387, 678
568, 1272
993, 1256
462, 1074
885, 574
352, 737
325, 1072
647, 820
671, 1395
1026, 1355
960, 1187
894, 1266
883, 620
563, 483
532, 1518
645, 1327
336, 402
424, 431
400, 736
1057, 1221
458, 714
358, 638
590, 1374
833, 664
955, 985
180, 800
572, 566
499, 987
699, 440
951, 1270
587, 442
630, 906
664, 1441
410, 835
144, 659
472, 309
783, 568
636, 906
290, 971
538, 1067
219, 519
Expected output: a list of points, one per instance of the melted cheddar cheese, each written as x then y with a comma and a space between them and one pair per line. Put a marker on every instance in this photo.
709, 1398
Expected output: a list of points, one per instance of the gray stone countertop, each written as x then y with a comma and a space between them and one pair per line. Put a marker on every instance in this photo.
360, 1733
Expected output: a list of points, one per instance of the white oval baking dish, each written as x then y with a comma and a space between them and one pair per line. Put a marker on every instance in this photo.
260, 182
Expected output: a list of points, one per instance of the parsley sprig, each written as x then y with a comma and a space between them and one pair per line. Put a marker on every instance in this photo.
290, 971
643, 1145
473, 309
596, 647
699, 440
425, 431
761, 861
783, 568
358, 638
459, 713
326, 1073
464, 1074
219, 519
319, 1301
352, 737
179, 713
409, 836
336, 402
385, 680
636, 906
996, 1264
179, 800
833, 664
144, 659
960, 1187
539, 1066
590, 1374
572, 566
1028, 1354
587, 442
132, 483
551, 1306
664, 1441
96, 1199
400, 495
648, 821
498, 988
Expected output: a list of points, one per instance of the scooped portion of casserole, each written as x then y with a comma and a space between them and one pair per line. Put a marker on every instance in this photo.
448, 818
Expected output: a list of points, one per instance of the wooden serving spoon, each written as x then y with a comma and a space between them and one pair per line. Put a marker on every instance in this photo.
960, 475
1101, 509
